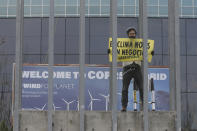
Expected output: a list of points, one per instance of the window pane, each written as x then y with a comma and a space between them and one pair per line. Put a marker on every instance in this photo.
105, 10
86, 2
3, 2
46, 2
60, 10
195, 11
36, 10
71, 2
12, 10
163, 2
120, 9
3, 11
71, 9
94, 2
86, 10
187, 11
137, 10
187, 2
94, 10
163, 10
195, 2
12, 2
152, 10
105, 2
36, 2
46, 10
26, 11
137, 2
129, 2
129, 10
152, 2
59, 2
26, 2
120, 2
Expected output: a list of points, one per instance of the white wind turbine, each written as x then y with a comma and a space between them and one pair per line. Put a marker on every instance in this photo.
68, 104
40, 109
55, 107
91, 101
106, 101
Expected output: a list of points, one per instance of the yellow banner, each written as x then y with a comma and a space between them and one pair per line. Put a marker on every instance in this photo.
130, 49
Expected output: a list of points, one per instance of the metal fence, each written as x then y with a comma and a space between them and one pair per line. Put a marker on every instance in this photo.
173, 28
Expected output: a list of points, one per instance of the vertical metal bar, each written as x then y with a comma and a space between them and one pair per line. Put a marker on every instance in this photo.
140, 22
50, 65
110, 88
174, 47
144, 34
113, 4
82, 64
19, 60
171, 41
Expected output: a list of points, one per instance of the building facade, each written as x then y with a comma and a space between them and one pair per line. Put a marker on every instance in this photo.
97, 34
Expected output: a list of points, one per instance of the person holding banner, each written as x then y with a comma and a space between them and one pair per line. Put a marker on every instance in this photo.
132, 69
130, 53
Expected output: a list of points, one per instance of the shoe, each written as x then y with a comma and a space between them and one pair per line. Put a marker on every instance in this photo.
123, 110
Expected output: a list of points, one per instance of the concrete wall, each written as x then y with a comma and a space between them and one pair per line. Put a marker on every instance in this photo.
96, 121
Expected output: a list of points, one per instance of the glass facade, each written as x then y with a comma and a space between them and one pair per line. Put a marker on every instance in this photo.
130, 8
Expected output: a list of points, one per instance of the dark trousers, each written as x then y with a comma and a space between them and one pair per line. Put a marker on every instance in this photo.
129, 72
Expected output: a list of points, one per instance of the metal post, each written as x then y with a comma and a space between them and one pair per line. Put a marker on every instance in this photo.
19, 61
50, 66
82, 65
110, 89
113, 4
171, 41
144, 34
174, 48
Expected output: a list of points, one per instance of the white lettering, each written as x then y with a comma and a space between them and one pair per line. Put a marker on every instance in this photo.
120, 76
99, 75
106, 74
45, 74
163, 76
157, 76
91, 75
31, 86
75, 75
68, 75
25, 74
33, 74
60, 75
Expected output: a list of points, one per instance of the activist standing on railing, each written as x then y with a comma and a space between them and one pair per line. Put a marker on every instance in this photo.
131, 69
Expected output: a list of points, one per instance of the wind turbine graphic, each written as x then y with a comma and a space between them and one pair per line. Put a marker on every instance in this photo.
55, 107
91, 101
68, 104
106, 100
40, 109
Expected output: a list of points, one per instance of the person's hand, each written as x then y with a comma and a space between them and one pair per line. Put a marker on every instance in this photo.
152, 53
108, 51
